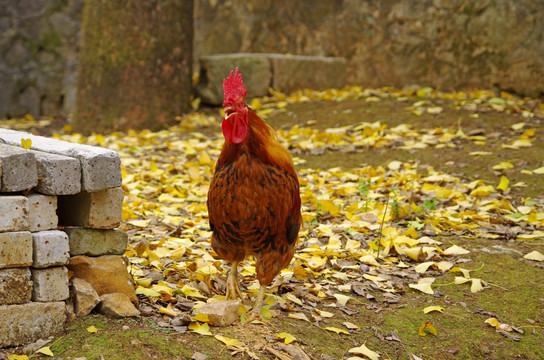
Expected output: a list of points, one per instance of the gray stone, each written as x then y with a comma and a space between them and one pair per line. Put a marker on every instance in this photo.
117, 305
57, 174
15, 286
42, 212
18, 168
84, 297
99, 210
51, 248
14, 213
22, 324
15, 249
290, 72
100, 168
50, 284
220, 313
96, 242
255, 70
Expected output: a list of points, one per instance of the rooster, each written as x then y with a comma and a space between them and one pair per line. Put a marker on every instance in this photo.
254, 198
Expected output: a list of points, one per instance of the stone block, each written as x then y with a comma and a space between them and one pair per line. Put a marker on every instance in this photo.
50, 284
42, 212
15, 286
51, 248
107, 274
18, 169
255, 70
15, 249
96, 242
100, 168
14, 213
57, 174
290, 72
99, 210
26, 323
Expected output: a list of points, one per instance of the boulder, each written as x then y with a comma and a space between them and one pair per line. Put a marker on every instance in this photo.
220, 313
107, 274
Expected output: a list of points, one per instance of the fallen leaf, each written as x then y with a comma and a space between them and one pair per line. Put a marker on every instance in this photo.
287, 338
427, 328
336, 330
92, 329
202, 329
534, 255
45, 350
363, 350
428, 309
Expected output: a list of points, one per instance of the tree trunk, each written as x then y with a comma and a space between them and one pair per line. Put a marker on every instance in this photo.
135, 64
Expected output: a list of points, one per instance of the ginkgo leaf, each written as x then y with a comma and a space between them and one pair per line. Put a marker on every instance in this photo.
476, 285
324, 314
427, 328
45, 350
229, 342
503, 184
299, 316
201, 317
26, 143
202, 329
342, 299
363, 350
421, 268
287, 338
17, 357
92, 329
428, 309
539, 171
456, 250
534, 255
493, 322
503, 165
424, 285
351, 327
337, 330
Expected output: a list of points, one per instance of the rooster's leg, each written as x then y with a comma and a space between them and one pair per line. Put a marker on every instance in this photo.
255, 312
233, 291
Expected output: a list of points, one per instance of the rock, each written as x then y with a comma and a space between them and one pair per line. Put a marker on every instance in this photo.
85, 298
96, 242
107, 274
220, 313
117, 305
15, 286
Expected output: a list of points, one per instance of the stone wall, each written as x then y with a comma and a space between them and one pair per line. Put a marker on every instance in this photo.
38, 56
443, 44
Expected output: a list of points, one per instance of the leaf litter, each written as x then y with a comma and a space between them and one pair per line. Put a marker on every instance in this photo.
367, 230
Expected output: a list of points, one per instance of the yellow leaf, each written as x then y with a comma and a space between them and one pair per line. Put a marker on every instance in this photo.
139, 223
428, 309
298, 316
203, 329
503, 166
204, 159
147, 292
363, 350
482, 191
46, 351
145, 282
327, 205
424, 285
324, 314
292, 298
92, 329
476, 285
518, 126
465, 272
456, 250
287, 338
17, 357
539, 171
26, 143
201, 317
342, 299
195, 103
493, 322
503, 184
337, 330
153, 166
421, 268
534, 255
169, 310
427, 328
229, 342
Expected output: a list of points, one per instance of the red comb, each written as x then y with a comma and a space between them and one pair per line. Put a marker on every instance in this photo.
233, 88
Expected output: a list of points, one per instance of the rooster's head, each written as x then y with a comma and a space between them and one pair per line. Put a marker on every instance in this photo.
235, 121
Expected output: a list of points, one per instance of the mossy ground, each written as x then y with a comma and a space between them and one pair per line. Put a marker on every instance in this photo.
515, 295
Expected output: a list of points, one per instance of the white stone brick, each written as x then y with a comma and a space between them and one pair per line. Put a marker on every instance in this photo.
15, 249
57, 174
23, 324
13, 213
50, 284
100, 168
50, 248
98, 210
18, 169
42, 212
